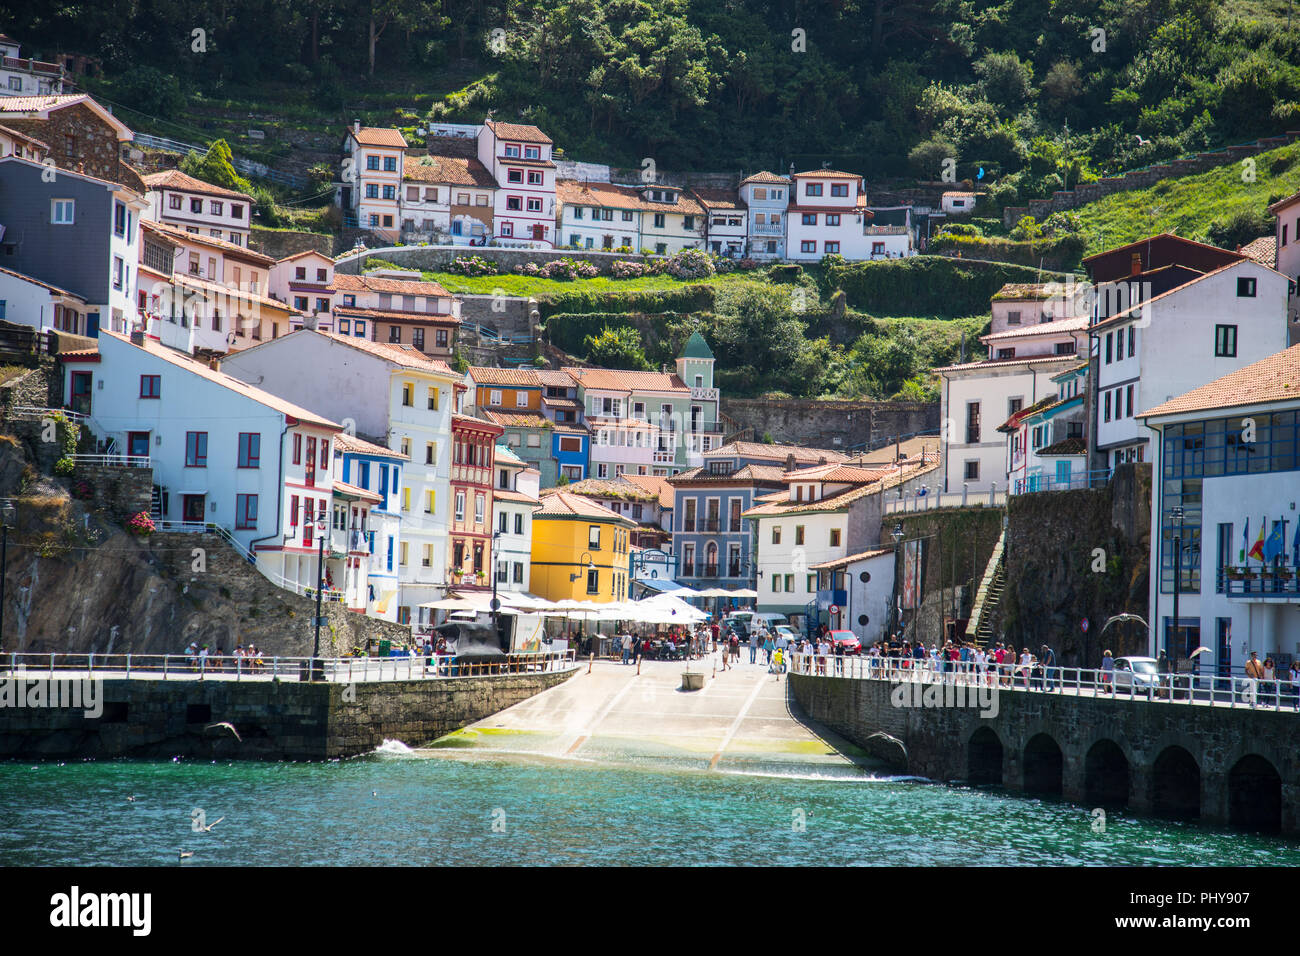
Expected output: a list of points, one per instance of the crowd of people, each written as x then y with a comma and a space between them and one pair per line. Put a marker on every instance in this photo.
201, 658
962, 662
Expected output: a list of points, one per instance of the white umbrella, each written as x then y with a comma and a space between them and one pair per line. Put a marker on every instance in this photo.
452, 604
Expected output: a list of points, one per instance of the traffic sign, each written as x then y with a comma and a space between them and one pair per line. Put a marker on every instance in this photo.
495, 604
1083, 625
835, 609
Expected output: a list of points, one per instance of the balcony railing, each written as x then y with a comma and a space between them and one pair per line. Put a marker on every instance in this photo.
710, 570
1047, 482
710, 525
119, 461
767, 230
688, 570
1262, 583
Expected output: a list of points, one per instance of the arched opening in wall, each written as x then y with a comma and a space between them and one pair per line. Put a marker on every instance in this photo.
984, 759
1044, 765
1176, 785
1106, 775
1254, 794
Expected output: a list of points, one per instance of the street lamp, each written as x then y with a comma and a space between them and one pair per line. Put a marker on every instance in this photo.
7, 513
1176, 513
321, 526
897, 535
591, 566
495, 605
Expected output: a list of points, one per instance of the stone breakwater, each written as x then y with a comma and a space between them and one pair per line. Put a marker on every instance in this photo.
275, 720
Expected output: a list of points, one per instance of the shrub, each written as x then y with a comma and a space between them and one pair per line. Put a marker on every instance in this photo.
140, 525
473, 266
1026, 228
960, 229
690, 264
628, 269
64, 467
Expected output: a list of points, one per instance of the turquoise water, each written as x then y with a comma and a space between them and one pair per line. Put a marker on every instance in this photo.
467, 809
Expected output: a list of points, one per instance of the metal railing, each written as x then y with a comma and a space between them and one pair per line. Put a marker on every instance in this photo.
1283, 582
245, 166
122, 461
931, 500
55, 666
1206, 690
36, 413
1098, 478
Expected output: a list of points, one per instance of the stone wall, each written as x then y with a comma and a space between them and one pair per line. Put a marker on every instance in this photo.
1056, 541
116, 491
277, 720
937, 742
833, 424
279, 243
31, 389
1064, 199
80, 141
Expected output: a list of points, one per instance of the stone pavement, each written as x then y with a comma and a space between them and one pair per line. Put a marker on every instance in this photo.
739, 722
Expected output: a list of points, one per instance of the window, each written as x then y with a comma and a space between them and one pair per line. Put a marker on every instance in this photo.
236, 211
810, 219
401, 553
835, 537
426, 556
322, 305
1013, 318
1246, 288
839, 189
395, 335
245, 512
1128, 401
832, 219
250, 450
300, 303
972, 423
1109, 345
196, 206
512, 150
63, 212
972, 471
359, 329
776, 534
593, 581
593, 537
297, 449
433, 399
789, 583
514, 203
776, 584
832, 247
460, 506
408, 395
807, 245
798, 534
532, 152
1225, 341
659, 220
151, 386
390, 164
430, 502
812, 189
372, 192
372, 162
390, 192
430, 452
518, 569
216, 207
173, 201
514, 175
324, 453
1132, 333
1107, 407
534, 178
196, 449
1014, 405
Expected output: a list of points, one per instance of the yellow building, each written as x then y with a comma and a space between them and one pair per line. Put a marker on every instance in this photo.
579, 551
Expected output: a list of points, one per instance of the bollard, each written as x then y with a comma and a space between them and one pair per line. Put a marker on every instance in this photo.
638, 667
590, 658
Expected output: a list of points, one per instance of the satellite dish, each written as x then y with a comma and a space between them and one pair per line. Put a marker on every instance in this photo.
864, 577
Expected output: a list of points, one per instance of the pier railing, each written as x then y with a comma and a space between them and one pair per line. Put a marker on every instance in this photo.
1279, 693
345, 670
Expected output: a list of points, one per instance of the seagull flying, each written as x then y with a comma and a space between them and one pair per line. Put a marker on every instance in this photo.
208, 828
1141, 141
229, 726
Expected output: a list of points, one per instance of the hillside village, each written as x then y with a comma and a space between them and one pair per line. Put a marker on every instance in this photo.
286, 400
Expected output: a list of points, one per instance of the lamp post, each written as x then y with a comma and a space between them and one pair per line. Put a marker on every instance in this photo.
591, 566
322, 526
7, 512
897, 535
1176, 513
495, 605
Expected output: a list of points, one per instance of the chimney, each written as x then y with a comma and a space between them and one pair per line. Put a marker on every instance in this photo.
356, 126
214, 363
1135, 265
789, 462
821, 460
137, 337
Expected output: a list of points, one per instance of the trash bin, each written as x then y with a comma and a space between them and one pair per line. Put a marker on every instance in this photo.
385, 646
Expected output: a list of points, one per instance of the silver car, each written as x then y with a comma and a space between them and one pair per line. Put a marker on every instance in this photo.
1136, 674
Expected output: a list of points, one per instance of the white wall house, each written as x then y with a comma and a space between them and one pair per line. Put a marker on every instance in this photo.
371, 574
222, 451
1287, 255
727, 221
514, 499
394, 397
448, 199
373, 163
1229, 483
305, 282
1175, 341
28, 301
867, 580
766, 197
518, 157
827, 216
21, 76
191, 204
598, 215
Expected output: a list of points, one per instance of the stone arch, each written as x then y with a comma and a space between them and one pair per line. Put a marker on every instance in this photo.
1044, 765
1106, 775
984, 758
1176, 784
1255, 794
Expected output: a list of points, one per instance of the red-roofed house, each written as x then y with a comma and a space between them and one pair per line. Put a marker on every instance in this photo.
766, 197
828, 216
20, 76
398, 308
1287, 255
447, 199
519, 159
373, 162
180, 200
222, 451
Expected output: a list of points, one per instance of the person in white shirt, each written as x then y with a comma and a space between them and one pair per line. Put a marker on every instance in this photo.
627, 648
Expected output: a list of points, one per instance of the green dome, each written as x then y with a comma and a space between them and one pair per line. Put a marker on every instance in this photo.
697, 348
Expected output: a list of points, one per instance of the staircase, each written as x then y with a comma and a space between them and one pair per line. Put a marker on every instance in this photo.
988, 597
155, 504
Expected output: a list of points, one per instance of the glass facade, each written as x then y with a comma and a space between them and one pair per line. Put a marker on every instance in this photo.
1193, 451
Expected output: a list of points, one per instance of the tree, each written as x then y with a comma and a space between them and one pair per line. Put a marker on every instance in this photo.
1006, 79
215, 167
926, 158
616, 347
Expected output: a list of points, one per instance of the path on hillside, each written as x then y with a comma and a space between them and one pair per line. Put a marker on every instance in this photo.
739, 723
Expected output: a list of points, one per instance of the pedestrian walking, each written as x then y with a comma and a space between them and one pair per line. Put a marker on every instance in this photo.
627, 648
1048, 658
755, 638
1107, 671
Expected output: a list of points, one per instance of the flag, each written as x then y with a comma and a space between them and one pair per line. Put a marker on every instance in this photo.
1295, 546
1276, 543
1257, 549
1245, 538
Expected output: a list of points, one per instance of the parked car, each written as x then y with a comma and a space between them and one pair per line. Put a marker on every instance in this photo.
845, 642
784, 630
1136, 673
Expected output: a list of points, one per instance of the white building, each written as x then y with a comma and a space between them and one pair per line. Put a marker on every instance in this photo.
370, 472
16, 143
180, 200
28, 301
222, 451
1286, 243
518, 157
373, 164
1226, 453
447, 199
766, 197
1174, 341
867, 581
392, 396
827, 216
599, 215
20, 76
514, 499
305, 282
727, 221
398, 308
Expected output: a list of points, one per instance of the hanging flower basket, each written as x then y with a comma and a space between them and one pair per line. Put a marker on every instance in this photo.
140, 525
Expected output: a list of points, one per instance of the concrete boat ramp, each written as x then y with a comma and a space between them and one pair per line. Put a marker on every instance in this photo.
740, 722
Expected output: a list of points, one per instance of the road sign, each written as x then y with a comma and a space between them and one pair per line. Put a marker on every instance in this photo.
1083, 625
835, 609
495, 604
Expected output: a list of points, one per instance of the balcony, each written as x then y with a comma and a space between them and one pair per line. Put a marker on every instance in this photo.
1261, 584
703, 395
767, 230
710, 570
688, 570
711, 525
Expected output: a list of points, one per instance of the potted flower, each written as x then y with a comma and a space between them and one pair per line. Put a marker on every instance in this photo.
140, 525
481, 576
1234, 572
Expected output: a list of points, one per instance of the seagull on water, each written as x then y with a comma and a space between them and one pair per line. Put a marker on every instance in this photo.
130, 798
184, 853
229, 726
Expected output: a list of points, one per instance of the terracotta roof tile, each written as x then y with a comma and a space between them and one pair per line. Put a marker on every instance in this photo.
517, 132
344, 282
719, 198
834, 173
360, 446
849, 559
657, 484
517, 497
25, 137
519, 419
1270, 380
486, 375
620, 380
398, 315
1078, 323
605, 488
564, 504
766, 177
378, 136
228, 248
749, 449
1066, 446
1001, 363
175, 179
555, 377
402, 357
574, 193
1263, 250
447, 170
